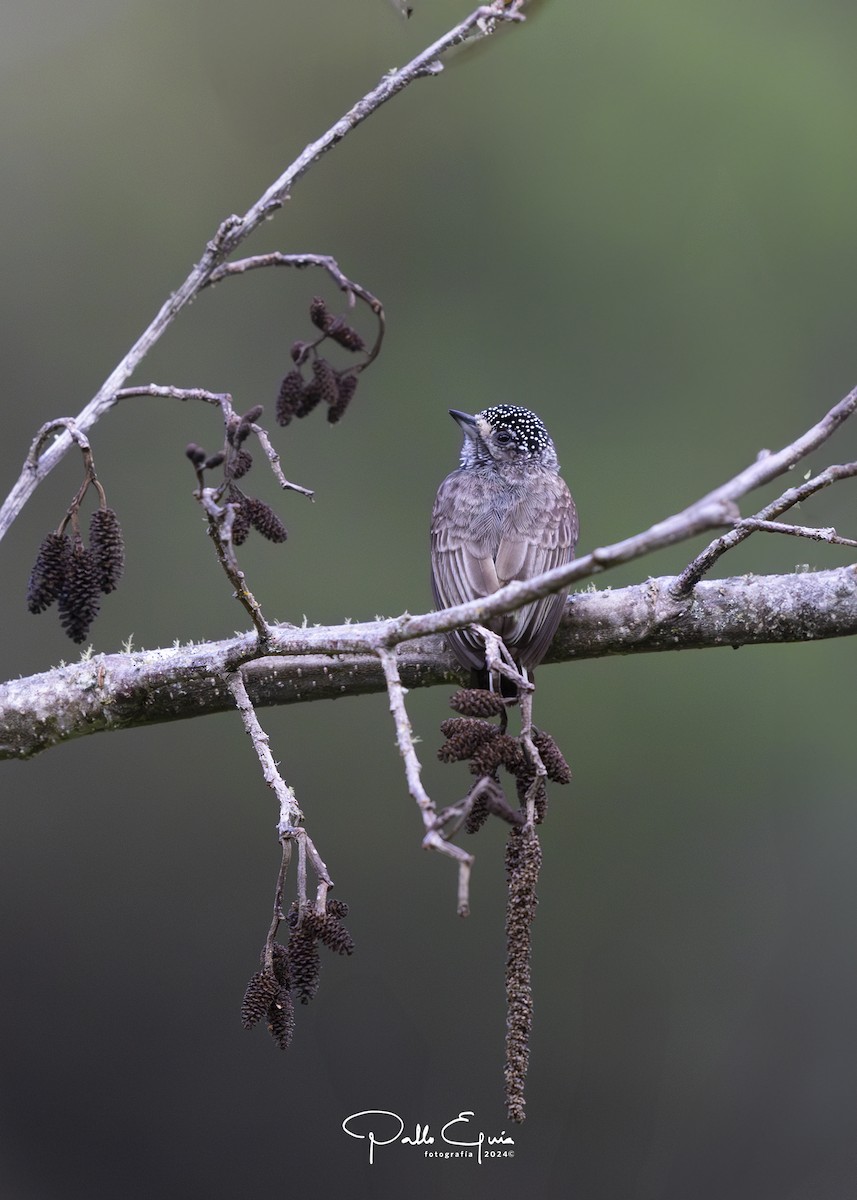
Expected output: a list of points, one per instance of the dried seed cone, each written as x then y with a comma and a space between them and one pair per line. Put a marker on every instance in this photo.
489, 800
289, 397
478, 815
265, 520
48, 575
240, 522
240, 463
79, 601
476, 702
513, 757
541, 797
252, 415
281, 1018
464, 736
347, 388
304, 961
319, 314
346, 336
333, 934
108, 548
261, 992
280, 963
501, 749
523, 860
486, 758
326, 380
310, 398
557, 768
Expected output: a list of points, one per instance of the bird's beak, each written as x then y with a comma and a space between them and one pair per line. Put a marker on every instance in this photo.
466, 423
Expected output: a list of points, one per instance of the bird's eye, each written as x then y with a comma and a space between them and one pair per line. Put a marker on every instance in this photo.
504, 437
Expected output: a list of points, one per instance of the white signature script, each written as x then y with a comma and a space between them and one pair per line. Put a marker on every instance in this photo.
381, 1128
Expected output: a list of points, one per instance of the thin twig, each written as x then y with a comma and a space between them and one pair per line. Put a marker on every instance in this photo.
223, 401
90, 478
815, 534
451, 818
321, 871
499, 661
274, 460
278, 915
220, 522
301, 869
434, 838
290, 813
327, 263
703, 562
537, 787
289, 827
718, 506
67, 425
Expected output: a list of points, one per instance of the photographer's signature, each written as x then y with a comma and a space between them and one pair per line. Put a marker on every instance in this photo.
380, 1127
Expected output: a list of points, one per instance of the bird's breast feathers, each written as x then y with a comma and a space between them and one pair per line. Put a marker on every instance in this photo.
500, 532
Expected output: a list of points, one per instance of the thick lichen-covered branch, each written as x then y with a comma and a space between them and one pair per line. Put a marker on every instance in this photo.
120, 691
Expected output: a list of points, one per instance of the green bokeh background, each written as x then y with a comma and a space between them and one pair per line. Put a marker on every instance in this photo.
636, 219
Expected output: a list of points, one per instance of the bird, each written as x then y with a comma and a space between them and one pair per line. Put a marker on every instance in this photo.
504, 514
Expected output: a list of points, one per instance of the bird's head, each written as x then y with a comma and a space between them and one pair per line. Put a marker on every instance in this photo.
510, 437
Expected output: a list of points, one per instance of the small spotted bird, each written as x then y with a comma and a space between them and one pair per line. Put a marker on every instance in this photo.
504, 514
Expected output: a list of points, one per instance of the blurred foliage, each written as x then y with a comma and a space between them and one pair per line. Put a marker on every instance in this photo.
637, 220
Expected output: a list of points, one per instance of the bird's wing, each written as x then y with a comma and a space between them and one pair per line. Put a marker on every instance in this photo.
538, 534
463, 544
476, 549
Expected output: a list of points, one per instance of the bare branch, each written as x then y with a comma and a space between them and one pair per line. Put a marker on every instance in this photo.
220, 522
537, 787
499, 661
289, 827
718, 506
120, 691
743, 529
814, 534
434, 838
278, 915
321, 871
65, 424
327, 263
486, 789
223, 401
274, 460
290, 813
234, 230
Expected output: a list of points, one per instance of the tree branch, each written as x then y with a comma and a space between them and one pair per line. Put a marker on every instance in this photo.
235, 230
434, 837
121, 691
277, 259
764, 519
